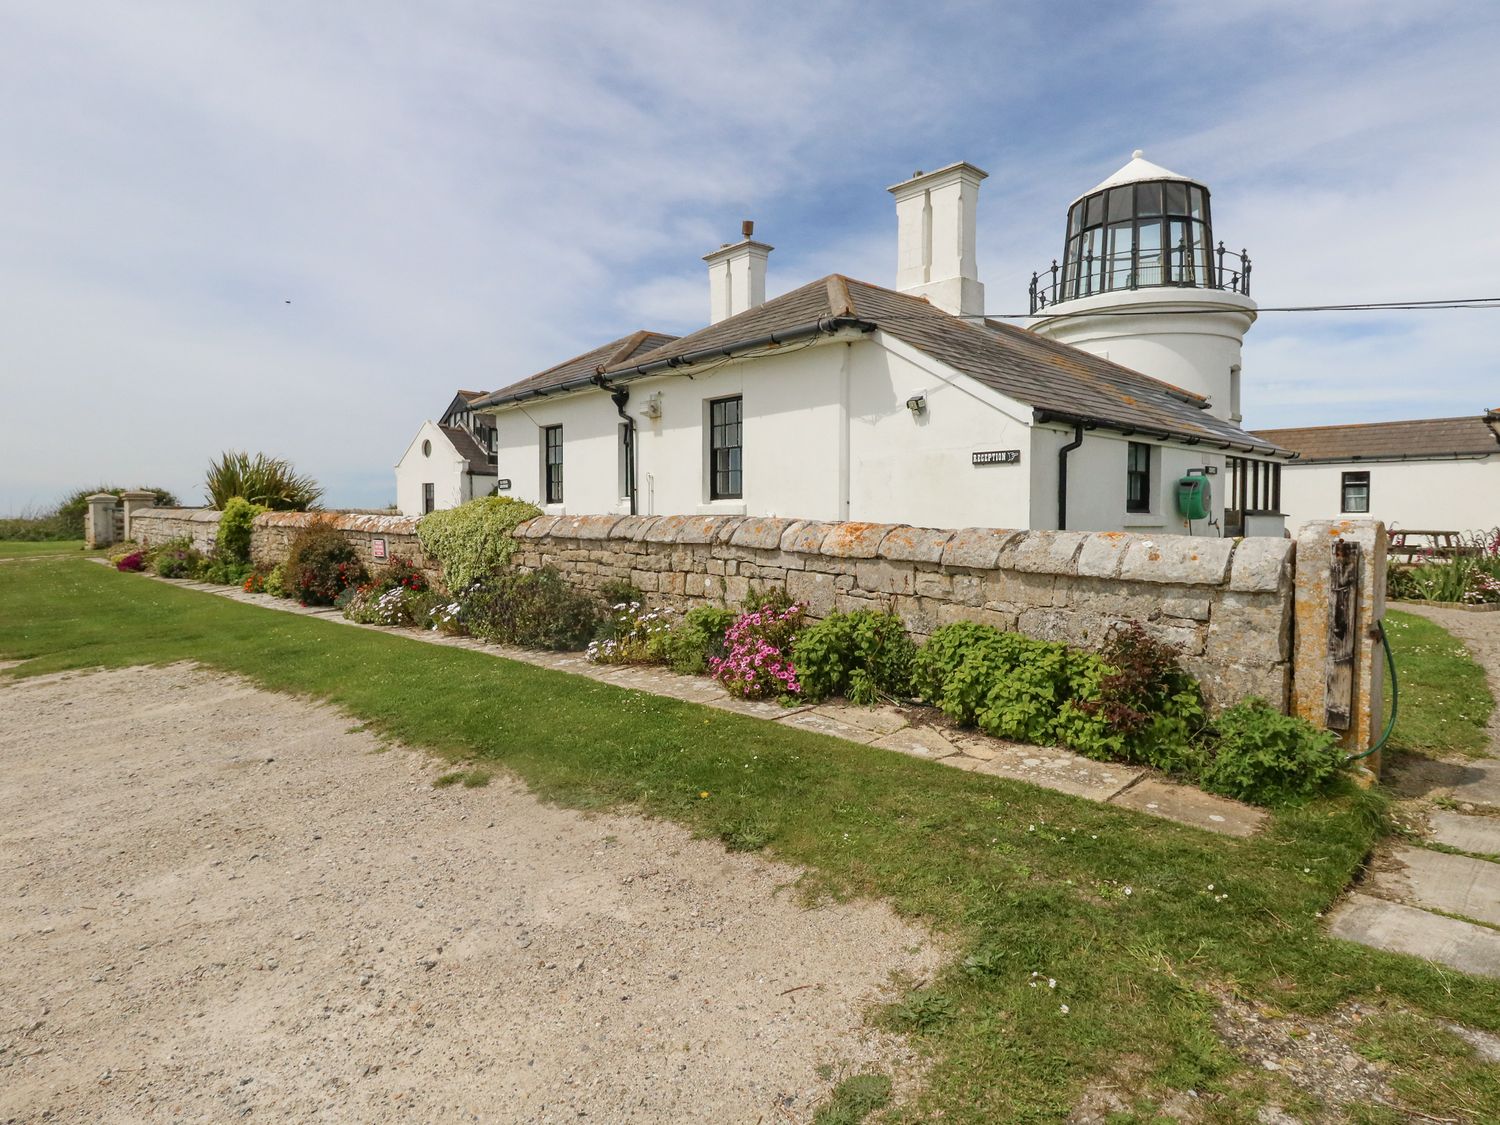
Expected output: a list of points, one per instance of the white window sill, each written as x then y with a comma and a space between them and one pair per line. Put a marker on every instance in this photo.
722, 508
1141, 519
554, 510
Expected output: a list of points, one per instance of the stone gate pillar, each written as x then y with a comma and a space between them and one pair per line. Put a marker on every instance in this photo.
99, 521
133, 502
1338, 678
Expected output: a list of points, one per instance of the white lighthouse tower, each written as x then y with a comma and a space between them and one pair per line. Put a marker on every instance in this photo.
1143, 283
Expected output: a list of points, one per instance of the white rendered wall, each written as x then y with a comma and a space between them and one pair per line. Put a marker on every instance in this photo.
1195, 349
1096, 484
1418, 495
443, 469
827, 435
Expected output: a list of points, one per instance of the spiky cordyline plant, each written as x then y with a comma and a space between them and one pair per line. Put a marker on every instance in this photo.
268, 481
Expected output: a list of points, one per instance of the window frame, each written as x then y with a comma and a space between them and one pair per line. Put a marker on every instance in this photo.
552, 468
1141, 505
1354, 477
733, 470
429, 498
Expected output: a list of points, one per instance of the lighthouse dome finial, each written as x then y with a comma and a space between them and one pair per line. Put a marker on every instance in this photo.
1138, 154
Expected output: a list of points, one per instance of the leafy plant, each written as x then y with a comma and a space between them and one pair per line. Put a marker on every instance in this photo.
536, 609
131, 561
617, 592
394, 605
473, 540
1269, 758
698, 639
757, 661
922, 1010
633, 635
224, 572
402, 574
175, 558
861, 655
320, 565
268, 481
1144, 707
236, 526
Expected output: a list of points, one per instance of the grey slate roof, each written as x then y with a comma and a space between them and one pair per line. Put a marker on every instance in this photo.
469, 449
1050, 377
579, 367
1474, 435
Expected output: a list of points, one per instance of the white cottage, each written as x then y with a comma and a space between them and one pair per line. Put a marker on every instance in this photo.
1430, 474
843, 400
450, 461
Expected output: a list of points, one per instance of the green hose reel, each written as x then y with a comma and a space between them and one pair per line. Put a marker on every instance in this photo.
1194, 497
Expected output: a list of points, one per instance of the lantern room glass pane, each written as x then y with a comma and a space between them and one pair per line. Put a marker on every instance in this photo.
1176, 197
1094, 215
1121, 200
1195, 201
1075, 219
1148, 199
1121, 265
1148, 254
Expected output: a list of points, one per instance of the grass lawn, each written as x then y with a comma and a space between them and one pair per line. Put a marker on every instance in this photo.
1445, 701
16, 548
1140, 922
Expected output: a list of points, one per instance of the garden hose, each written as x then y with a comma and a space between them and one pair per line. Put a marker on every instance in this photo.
1390, 663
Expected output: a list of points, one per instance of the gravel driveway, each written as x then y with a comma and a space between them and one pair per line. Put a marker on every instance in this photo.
216, 903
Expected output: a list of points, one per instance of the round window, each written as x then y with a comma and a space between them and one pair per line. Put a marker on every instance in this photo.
427, 449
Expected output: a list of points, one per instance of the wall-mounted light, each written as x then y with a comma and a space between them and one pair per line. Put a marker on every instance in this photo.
651, 408
917, 404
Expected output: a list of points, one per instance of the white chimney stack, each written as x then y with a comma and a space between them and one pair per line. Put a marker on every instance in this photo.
737, 276
935, 220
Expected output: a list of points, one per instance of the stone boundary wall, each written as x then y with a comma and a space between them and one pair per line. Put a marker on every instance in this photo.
1227, 603
157, 525
273, 533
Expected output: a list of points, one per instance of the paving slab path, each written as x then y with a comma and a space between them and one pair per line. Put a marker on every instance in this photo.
1434, 903
907, 730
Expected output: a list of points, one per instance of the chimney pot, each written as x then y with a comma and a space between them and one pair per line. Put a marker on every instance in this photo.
747, 228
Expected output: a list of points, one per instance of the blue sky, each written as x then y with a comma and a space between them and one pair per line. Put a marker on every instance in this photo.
461, 193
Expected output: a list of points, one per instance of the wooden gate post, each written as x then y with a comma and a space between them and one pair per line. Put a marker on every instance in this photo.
1338, 668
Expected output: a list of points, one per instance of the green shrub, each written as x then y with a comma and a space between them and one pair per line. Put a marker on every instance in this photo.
175, 558
473, 541
275, 582
224, 572
320, 565
399, 573
268, 481
861, 655
618, 592
236, 524
394, 605
535, 609
1137, 705
698, 639
1268, 758
633, 634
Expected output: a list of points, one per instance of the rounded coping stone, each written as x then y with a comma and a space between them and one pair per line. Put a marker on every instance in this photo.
854, 540
977, 548
760, 532
535, 528
915, 544
805, 536
666, 529
1178, 560
1045, 552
